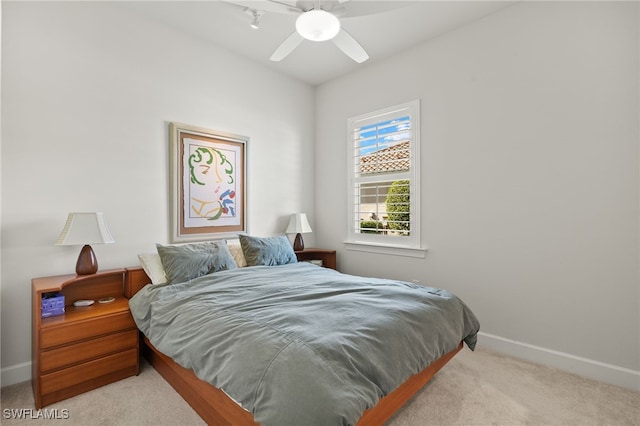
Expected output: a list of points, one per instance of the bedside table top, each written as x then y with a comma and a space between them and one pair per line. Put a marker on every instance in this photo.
58, 282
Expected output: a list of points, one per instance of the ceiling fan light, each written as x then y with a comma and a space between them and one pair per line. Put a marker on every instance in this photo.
317, 25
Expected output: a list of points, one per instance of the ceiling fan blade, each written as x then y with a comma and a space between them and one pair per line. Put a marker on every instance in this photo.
287, 46
350, 46
287, 6
268, 6
354, 8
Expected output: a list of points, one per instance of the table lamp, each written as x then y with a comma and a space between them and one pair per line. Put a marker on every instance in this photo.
85, 228
298, 224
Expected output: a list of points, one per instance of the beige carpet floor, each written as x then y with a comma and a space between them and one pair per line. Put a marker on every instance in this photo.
475, 388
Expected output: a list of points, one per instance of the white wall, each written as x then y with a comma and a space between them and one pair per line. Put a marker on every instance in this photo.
529, 177
88, 92
529, 152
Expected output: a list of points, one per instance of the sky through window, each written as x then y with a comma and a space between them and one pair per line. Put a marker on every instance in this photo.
380, 135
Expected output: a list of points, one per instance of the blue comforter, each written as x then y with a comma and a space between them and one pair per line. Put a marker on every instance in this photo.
300, 344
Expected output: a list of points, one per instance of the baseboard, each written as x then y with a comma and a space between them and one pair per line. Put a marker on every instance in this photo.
596, 370
15, 374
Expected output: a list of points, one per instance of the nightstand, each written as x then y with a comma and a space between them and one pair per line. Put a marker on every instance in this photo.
85, 347
326, 257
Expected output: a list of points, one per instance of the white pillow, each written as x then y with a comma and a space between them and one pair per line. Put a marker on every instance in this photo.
236, 251
152, 265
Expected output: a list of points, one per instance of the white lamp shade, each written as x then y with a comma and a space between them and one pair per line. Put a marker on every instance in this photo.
317, 25
84, 228
298, 224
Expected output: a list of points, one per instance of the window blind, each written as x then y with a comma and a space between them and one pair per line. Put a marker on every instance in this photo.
383, 174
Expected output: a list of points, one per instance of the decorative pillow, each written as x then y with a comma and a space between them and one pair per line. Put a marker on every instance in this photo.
188, 261
236, 251
152, 265
268, 251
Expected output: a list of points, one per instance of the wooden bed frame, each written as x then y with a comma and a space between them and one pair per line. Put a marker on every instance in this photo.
215, 407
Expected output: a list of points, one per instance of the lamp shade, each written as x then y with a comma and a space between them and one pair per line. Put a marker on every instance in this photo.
298, 224
84, 228
317, 25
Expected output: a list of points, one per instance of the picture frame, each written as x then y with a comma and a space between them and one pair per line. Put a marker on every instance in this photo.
208, 175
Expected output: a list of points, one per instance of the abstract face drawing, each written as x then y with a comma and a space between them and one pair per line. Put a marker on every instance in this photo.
212, 189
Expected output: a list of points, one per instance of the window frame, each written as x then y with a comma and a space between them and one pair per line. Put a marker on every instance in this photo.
377, 243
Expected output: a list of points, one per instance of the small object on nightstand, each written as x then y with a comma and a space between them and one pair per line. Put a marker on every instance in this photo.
83, 302
52, 304
106, 300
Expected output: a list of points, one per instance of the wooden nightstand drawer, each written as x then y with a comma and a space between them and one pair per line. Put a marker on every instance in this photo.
88, 371
75, 331
89, 349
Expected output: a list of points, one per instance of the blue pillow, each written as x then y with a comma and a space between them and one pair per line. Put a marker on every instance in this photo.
269, 251
188, 261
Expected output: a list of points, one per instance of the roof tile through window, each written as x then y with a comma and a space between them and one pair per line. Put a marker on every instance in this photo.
392, 158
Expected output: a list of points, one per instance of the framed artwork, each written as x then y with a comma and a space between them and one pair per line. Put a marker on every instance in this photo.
208, 184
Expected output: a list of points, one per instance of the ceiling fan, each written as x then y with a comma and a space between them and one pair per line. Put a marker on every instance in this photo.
318, 24
318, 21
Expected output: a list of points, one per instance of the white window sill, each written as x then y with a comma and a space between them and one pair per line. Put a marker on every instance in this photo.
385, 249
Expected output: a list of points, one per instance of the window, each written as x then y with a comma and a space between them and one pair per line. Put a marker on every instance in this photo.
384, 195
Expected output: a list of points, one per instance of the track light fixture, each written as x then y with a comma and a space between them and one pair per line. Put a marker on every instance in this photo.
255, 14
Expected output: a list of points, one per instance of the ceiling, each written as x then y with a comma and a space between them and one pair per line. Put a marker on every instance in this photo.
383, 28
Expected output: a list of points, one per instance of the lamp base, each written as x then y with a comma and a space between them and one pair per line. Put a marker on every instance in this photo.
298, 243
87, 263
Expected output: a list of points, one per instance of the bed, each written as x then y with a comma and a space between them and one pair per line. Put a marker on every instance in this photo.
296, 343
